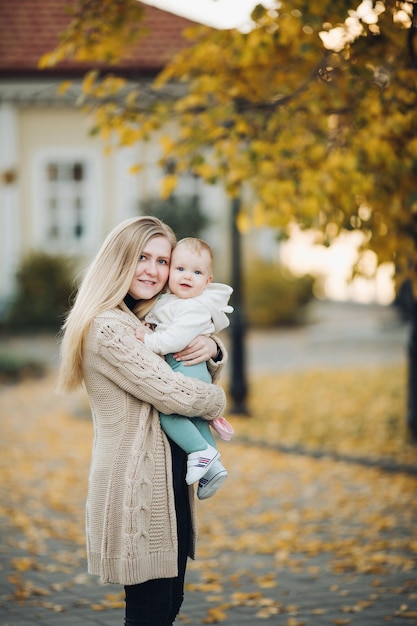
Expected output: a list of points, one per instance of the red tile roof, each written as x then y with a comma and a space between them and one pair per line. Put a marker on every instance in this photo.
29, 28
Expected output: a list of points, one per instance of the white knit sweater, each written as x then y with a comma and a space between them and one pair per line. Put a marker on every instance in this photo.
131, 523
179, 320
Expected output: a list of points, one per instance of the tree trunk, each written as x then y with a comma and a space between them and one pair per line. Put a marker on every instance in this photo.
238, 384
412, 370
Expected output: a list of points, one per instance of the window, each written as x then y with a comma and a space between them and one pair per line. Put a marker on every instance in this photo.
65, 201
66, 211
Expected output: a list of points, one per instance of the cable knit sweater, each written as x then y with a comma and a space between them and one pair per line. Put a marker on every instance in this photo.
130, 513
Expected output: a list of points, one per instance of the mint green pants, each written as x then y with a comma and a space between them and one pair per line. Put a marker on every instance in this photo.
191, 434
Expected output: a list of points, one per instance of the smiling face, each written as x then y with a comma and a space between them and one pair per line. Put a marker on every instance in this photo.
152, 269
190, 272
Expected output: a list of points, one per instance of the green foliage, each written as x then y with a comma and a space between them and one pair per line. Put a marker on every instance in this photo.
42, 296
184, 215
14, 368
274, 296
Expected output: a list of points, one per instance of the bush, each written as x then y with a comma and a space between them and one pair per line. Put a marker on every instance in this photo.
42, 296
14, 368
182, 214
274, 296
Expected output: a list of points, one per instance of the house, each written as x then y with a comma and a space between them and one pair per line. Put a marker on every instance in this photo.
59, 192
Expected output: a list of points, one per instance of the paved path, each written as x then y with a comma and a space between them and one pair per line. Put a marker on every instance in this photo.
336, 335
282, 587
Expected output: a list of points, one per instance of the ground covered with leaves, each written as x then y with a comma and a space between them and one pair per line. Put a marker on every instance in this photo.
290, 537
355, 412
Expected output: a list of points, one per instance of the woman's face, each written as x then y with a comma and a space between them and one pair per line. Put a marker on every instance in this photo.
152, 269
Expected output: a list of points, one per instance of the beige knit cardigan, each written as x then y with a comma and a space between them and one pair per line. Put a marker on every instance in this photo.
130, 511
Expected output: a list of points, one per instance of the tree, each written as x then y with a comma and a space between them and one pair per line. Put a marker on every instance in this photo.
314, 110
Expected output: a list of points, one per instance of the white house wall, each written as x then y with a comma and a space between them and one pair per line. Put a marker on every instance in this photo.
10, 219
34, 133
60, 133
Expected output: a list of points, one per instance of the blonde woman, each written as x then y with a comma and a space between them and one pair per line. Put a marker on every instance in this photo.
139, 513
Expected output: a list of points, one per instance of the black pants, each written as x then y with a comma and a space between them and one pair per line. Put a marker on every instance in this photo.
158, 602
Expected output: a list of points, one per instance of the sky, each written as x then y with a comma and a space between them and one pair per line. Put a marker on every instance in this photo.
216, 13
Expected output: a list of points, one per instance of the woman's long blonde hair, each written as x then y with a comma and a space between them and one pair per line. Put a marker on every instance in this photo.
104, 287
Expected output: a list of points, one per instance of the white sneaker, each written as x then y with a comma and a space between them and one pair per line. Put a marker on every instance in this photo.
198, 463
211, 481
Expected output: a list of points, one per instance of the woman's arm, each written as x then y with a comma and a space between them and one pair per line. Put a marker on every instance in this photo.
113, 350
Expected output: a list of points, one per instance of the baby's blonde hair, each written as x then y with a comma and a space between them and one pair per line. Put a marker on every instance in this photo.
104, 287
197, 246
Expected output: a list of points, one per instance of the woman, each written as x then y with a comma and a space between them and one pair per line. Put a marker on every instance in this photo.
140, 522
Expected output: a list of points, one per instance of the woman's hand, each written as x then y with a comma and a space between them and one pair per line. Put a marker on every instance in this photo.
141, 331
200, 349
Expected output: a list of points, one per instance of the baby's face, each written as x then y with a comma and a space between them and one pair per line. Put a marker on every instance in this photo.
190, 273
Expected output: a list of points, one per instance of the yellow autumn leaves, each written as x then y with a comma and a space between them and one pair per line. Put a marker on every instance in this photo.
99, 31
309, 131
356, 412
284, 514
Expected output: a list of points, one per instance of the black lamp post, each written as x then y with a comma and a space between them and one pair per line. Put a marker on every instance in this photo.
238, 385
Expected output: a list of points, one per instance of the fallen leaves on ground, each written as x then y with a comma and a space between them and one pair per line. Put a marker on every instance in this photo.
358, 412
286, 513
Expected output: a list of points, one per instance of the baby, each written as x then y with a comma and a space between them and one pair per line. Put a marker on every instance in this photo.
194, 306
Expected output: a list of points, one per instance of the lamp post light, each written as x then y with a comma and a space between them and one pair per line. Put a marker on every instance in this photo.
238, 384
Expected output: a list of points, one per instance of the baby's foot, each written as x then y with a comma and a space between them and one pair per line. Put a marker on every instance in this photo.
211, 481
198, 463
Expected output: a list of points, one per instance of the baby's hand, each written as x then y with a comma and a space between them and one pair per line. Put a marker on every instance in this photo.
141, 331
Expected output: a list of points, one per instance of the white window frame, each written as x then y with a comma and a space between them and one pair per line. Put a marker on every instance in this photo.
90, 189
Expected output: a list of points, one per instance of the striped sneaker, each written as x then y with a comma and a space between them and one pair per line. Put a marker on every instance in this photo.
212, 481
198, 463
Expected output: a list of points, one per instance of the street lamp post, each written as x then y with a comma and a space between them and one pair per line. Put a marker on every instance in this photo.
238, 385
